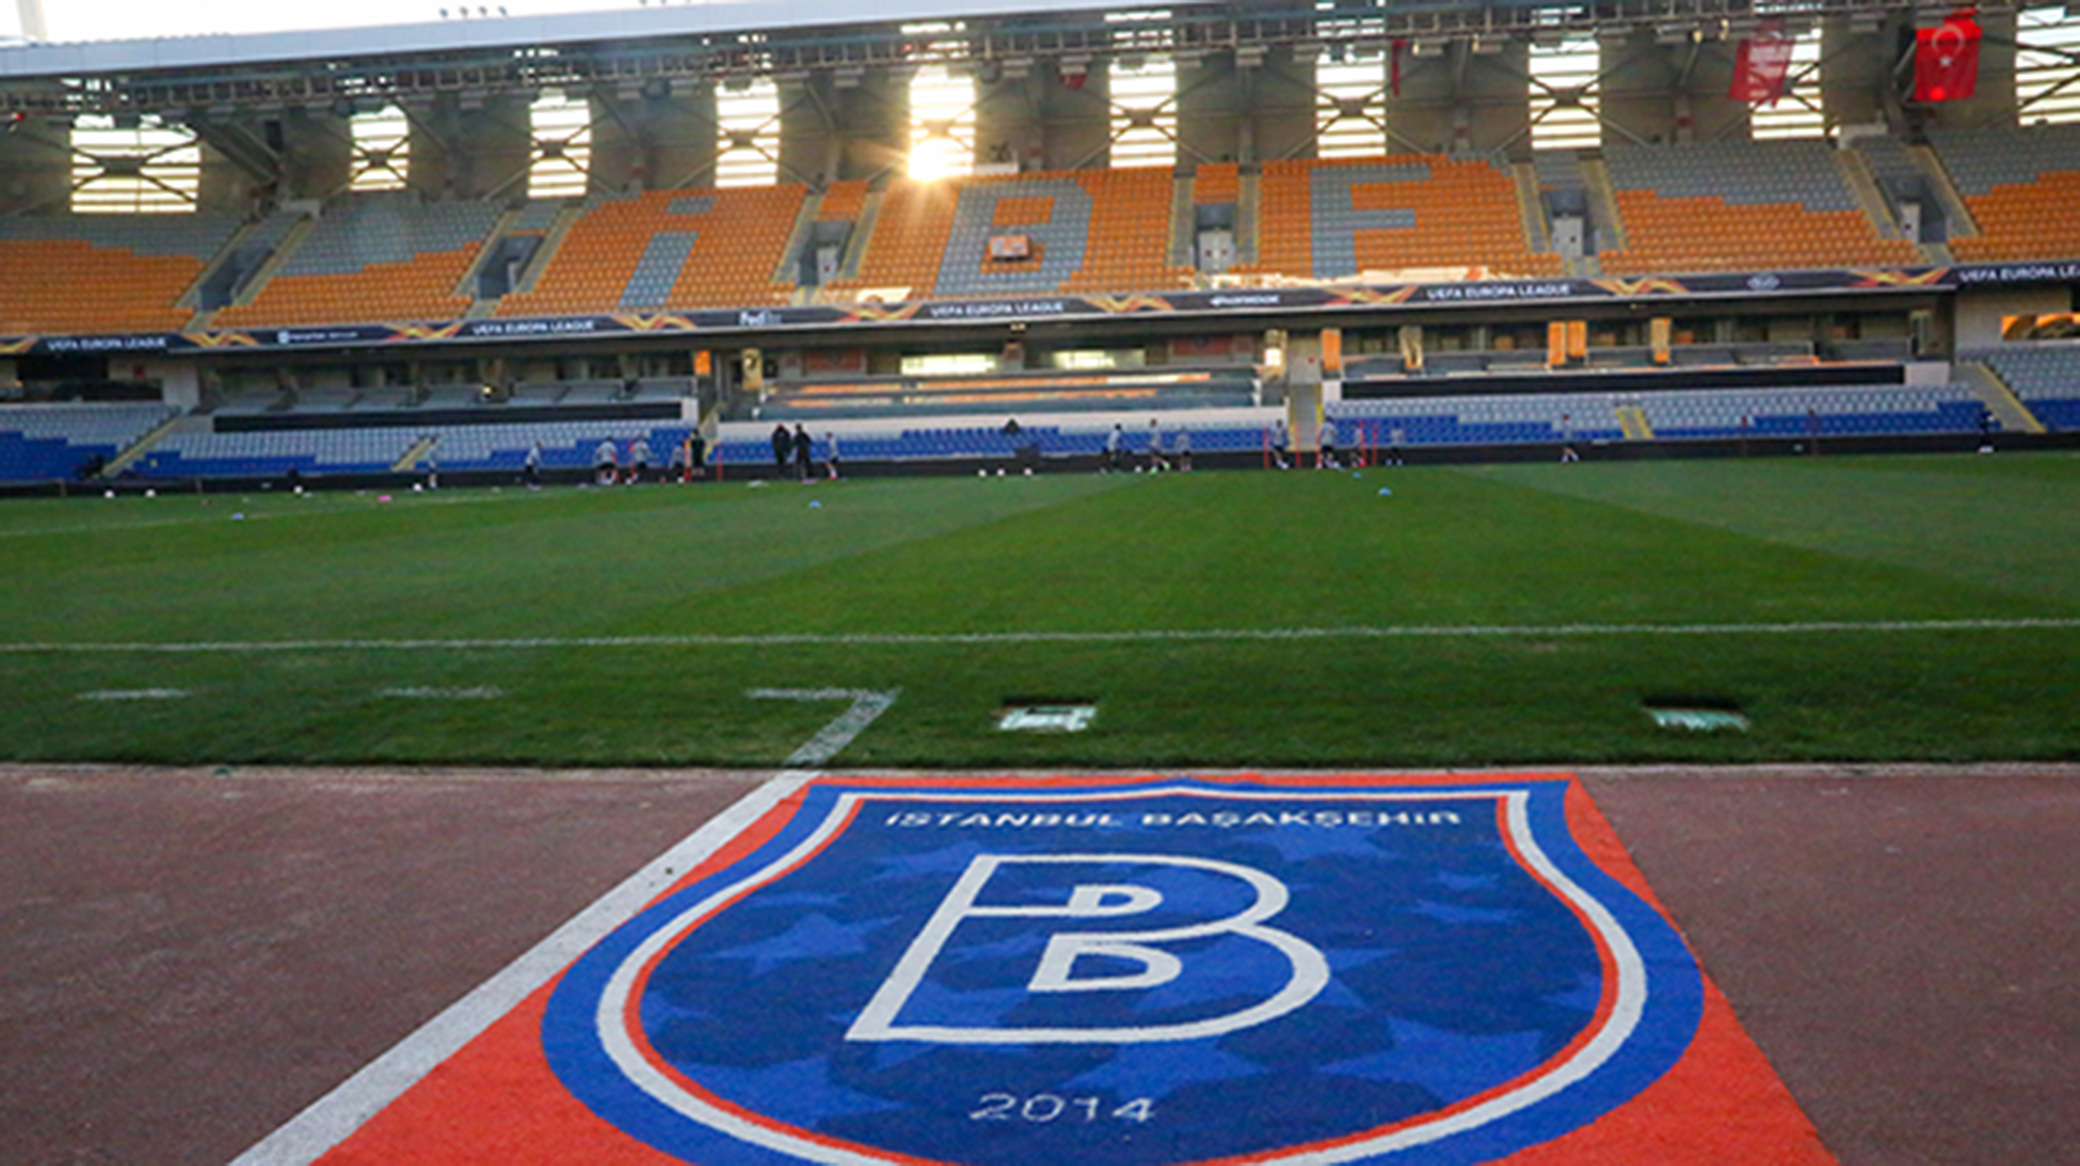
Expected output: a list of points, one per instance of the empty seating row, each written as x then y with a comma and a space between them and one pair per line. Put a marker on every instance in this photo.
42, 442
392, 258
1331, 220
373, 450
1740, 206
384, 258
1081, 231
668, 249
2022, 187
967, 443
1701, 414
2045, 376
103, 273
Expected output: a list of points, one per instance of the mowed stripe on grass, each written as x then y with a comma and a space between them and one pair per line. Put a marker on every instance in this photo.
1472, 617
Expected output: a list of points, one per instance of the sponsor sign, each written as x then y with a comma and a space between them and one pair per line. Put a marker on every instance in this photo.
1132, 972
1327, 298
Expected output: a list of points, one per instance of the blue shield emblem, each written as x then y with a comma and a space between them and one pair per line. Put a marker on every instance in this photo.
1134, 973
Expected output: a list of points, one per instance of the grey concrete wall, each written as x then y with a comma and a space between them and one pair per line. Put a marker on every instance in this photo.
473, 151
35, 166
1075, 124
317, 154
1665, 93
1462, 99
654, 140
1009, 112
1856, 78
1978, 313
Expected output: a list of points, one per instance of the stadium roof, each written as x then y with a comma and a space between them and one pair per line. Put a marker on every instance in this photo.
633, 23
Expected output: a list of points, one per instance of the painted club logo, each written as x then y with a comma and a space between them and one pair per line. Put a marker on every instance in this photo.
1133, 974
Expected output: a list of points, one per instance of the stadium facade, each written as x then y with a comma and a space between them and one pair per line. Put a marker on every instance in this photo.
1646, 225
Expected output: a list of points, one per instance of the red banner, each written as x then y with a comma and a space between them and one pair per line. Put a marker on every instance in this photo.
1946, 59
1762, 66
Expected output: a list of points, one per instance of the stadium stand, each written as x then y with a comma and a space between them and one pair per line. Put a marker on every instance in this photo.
1334, 219
666, 249
373, 258
908, 240
1084, 440
375, 449
2022, 187
1051, 392
1739, 206
122, 273
843, 202
1087, 230
1669, 415
1216, 183
43, 442
2046, 377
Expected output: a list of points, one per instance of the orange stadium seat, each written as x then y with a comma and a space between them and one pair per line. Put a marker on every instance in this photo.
87, 274
1740, 206
1123, 235
1405, 211
665, 249
384, 257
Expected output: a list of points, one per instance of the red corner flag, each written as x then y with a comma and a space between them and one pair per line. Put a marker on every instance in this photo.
1761, 66
1946, 59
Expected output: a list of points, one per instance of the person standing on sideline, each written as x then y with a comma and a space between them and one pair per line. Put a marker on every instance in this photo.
677, 466
1325, 446
1155, 446
531, 469
1567, 453
433, 461
605, 464
1281, 445
1113, 453
1182, 447
830, 453
803, 448
639, 457
783, 447
1395, 438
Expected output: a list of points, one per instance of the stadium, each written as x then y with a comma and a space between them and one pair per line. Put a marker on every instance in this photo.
931, 581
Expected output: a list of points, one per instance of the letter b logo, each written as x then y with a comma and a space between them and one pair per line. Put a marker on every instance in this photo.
979, 930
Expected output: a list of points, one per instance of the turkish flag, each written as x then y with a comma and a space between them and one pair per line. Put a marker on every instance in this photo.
1946, 59
1761, 66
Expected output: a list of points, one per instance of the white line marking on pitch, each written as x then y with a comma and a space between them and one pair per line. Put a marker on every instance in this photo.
332, 1118
1148, 635
134, 694
444, 693
866, 705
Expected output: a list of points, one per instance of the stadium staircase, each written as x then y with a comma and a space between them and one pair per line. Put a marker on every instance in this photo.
413, 456
1633, 421
552, 241
1530, 207
1956, 211
1603, 205
1864, 187
1248, 220
261, 276
143, 445
1183, 222
1999, 399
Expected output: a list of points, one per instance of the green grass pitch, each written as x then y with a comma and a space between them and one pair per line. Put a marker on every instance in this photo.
447, 627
